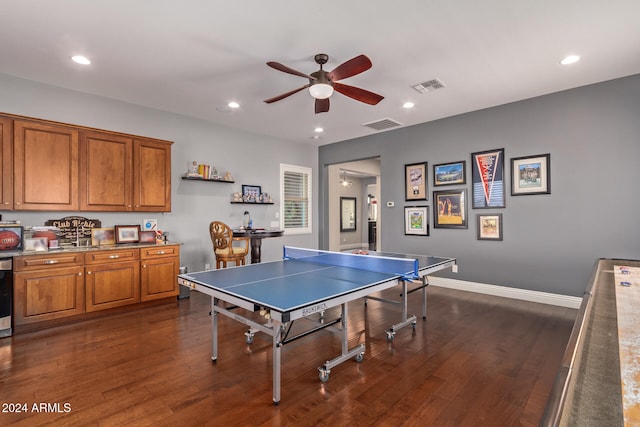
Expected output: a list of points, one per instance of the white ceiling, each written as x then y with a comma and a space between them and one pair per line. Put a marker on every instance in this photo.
194, 56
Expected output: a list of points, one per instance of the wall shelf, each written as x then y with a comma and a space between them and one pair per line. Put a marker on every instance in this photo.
252, 203
195, 178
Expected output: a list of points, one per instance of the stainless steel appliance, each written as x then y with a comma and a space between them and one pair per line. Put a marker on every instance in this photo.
6, 296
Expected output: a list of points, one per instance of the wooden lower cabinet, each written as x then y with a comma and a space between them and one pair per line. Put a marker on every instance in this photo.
159, 268
54, 286
50, 294
112, 285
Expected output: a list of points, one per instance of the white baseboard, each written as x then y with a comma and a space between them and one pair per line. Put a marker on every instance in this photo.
506, 292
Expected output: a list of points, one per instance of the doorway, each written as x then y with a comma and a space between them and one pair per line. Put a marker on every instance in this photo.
359, 180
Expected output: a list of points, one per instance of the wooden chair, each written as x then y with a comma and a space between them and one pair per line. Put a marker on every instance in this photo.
222, 239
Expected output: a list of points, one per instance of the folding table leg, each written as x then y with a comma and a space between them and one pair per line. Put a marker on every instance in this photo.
277, 355
357, 353
214, 328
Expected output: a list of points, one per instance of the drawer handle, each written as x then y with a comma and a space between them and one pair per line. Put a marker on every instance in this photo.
114, 256
51, 261
160, 253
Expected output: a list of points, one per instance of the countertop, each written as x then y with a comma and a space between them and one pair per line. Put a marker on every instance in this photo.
68, 249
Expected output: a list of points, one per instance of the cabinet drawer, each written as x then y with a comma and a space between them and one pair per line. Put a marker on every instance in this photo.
38, 262
99, 257
159, 251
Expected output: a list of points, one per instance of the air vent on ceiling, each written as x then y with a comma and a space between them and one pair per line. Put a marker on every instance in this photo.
428, 86
382, 124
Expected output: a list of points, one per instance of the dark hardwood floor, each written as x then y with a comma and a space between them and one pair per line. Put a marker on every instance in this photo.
476, 361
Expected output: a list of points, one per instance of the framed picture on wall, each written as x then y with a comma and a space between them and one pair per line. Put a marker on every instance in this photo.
416, 220
450, 173
531, 175
487, 172
251, 193
415, 181
348, 212
489, 226
450, 209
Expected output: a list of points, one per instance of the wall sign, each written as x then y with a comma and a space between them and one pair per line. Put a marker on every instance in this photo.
72, 227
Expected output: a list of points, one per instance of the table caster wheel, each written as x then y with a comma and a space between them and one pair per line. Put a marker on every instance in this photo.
413, 325
359, 357
323, 375
249, 338
390, 335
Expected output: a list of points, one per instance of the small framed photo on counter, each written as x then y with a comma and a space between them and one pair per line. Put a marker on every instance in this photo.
36, 244
127, 233
102, 237
147, 237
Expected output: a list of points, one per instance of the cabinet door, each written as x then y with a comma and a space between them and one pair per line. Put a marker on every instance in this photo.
106, 174
45, 167
159, 278
112, 285
6, 164
48, 294
151, 176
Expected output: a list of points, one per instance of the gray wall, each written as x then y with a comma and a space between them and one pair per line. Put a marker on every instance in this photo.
550, 241
252, 159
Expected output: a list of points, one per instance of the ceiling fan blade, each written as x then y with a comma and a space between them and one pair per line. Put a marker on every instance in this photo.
350, 68
278, 66
358, 94
322, 105
284, 95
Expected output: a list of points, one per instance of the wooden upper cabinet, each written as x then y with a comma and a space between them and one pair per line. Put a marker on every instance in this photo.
106, 172
51, 166
6, 163
45, 165
151, 176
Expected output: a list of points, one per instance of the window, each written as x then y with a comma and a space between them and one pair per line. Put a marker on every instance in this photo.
295, 194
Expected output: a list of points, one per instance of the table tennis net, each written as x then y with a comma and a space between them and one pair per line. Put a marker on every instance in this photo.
406, 268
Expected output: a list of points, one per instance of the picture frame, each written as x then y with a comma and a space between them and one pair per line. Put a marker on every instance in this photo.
37, 244
11, 237
415, 181
489, 226
450, 209
531, 175
453, 173
103, 237
487, 175
348, 214
416, 220
147, 236
127, 233
251, 193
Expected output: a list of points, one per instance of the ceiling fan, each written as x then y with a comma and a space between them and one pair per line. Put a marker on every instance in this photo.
322, 83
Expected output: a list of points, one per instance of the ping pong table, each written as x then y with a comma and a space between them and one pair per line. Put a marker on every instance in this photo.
307, 282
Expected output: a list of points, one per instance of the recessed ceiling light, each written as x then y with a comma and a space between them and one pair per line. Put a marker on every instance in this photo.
233, 105
318, 130
408, 105
79, 59
571, 59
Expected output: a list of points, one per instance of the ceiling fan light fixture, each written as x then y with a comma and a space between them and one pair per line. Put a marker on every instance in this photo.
321, 90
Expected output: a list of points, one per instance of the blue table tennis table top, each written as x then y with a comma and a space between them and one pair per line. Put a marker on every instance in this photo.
291, 284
